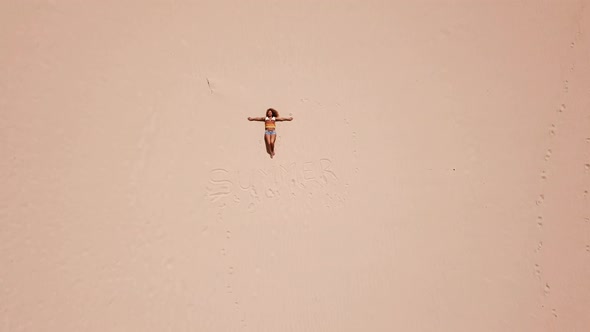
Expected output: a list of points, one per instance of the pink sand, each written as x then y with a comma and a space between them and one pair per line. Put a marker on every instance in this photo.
435, 176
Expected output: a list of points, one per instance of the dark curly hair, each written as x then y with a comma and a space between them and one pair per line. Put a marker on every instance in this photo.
275, 113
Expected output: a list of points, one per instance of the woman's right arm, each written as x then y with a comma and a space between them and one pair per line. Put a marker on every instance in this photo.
255, 119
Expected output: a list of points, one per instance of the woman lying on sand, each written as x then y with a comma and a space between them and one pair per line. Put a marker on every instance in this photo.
270, 134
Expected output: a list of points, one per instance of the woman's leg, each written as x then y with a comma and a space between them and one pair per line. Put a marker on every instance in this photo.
267, 143
273, 138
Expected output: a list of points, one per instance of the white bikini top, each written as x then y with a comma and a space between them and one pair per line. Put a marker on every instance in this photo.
273, 119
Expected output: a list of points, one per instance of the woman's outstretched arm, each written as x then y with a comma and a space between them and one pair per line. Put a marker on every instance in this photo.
285, 119
255, 119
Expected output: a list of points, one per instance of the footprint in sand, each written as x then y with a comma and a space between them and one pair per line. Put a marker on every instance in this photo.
251, 207
540, 199
546, 290
548, 154
540, 221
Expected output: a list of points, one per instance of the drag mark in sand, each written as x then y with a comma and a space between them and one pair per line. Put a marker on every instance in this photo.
354, 145
144, 145
209, 85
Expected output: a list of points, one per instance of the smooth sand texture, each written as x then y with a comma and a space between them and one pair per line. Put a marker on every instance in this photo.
435, 177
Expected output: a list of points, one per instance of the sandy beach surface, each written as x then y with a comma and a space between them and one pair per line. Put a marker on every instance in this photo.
435, 176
